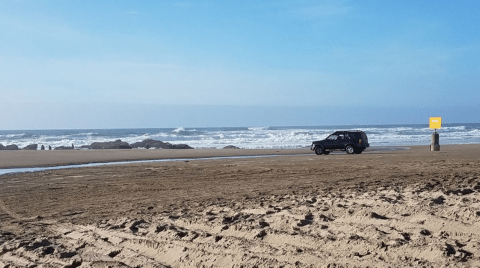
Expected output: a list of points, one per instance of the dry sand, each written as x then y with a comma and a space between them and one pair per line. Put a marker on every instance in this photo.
378, 209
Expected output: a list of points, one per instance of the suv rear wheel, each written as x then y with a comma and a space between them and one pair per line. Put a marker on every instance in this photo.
318, 150
349, 149
358, 151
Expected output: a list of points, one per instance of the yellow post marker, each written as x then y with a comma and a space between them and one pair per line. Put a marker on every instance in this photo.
435, 122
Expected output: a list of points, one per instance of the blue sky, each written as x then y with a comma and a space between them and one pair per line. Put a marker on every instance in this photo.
77, 64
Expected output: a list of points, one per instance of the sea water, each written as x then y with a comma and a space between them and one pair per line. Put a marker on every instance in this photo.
265, 137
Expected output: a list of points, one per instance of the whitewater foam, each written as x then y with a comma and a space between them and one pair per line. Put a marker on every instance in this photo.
266, 137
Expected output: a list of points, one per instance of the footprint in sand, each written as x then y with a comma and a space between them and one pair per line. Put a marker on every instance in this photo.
438, 201
425, 232
308, 220
378, 216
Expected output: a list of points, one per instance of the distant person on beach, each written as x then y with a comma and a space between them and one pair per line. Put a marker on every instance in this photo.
49, 147
73, 146
42, 148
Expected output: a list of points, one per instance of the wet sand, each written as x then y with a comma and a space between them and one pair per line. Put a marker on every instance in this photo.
381, 208
26, 158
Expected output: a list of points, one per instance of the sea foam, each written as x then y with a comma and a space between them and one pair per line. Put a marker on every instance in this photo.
245, 137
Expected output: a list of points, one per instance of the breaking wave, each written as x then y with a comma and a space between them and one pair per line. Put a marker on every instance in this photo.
245, 137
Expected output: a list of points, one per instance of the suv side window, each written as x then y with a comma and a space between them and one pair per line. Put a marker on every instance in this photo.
341, 137
332, 137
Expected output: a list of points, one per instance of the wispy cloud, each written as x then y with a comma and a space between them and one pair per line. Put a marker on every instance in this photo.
130, 82
322, 11
183, 4
53, 28
313, 9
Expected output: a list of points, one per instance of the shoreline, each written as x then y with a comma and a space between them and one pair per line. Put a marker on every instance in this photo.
24, 159
82, 158
13, 171
34, 159
54, 158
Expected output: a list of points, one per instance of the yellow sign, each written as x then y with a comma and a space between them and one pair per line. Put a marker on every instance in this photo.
435, 122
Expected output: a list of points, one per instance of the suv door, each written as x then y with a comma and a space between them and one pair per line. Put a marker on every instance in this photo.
349, 138
341, 141
331, 142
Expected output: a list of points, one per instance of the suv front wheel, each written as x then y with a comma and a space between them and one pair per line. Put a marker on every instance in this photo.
350, 149
318, 150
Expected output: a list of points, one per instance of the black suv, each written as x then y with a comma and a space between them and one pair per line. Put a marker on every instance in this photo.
352, 141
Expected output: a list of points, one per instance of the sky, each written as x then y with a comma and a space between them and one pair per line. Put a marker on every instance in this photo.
121, 64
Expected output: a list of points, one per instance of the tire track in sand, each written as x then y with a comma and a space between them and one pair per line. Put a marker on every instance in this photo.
15, 215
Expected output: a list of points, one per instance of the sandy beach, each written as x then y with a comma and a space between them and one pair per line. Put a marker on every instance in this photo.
378, 209
26, 158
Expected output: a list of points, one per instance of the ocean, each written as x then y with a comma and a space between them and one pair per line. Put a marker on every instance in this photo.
266, 137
